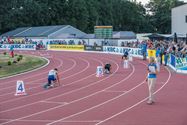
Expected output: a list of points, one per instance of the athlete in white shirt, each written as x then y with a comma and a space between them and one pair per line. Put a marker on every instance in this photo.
52, 77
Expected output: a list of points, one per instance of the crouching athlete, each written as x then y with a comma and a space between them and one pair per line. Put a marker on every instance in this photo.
53, 78
108, 68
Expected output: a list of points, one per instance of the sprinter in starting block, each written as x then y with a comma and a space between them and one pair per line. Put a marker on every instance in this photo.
125, 60
108, 68
53, 79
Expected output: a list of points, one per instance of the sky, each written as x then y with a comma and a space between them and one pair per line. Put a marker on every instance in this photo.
146, 1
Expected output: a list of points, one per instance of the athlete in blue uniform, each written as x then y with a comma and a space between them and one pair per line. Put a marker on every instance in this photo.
52, 78
152, 73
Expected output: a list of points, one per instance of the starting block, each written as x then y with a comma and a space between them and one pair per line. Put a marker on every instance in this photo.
20, 88
125, 64
130, 58
99, 71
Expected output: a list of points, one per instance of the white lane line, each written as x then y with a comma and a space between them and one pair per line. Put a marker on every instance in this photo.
68, 121
54, 96
27, 120
48, 61
113, 91
76, 121
61, 63
43, 91
127, 109
101, 104
27, 77
36, 74
62, 105
96, 106
53, 102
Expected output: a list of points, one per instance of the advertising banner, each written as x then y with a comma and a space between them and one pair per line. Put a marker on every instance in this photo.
89, 48
180, 62
18, 46
136, 52
93, 48
66, 47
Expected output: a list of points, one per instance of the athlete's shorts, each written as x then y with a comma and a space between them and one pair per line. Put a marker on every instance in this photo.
50, 79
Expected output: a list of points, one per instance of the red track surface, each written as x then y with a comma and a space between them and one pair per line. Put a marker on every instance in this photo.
115, 99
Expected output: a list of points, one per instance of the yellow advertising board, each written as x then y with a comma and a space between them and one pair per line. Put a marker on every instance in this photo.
66, 47
17, 40
151, 53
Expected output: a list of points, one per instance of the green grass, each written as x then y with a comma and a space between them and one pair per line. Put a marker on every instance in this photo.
26, 64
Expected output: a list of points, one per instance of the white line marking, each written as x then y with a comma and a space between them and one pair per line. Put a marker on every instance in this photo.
62, 105
28, 120
113, 91
52, 102
136, 103
57, 95
48, 90
98, 104
48, 61
82, 121
30, 77
76, 121
61, 63
56, 107
101, 104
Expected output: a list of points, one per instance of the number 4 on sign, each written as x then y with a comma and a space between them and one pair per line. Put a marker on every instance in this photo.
20, 88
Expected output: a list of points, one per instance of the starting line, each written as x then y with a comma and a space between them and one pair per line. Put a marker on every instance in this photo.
52, 102
93, 121
113, 91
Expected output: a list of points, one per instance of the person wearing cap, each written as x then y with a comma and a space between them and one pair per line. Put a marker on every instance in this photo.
151, 78
53, 77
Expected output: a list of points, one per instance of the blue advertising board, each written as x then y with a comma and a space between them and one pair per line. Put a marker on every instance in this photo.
18, 46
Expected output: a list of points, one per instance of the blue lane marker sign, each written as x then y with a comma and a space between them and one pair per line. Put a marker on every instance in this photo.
20, 88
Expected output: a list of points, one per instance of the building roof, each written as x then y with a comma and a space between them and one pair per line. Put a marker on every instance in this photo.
141, 36
89, 36
43, 31
116, 35
124, 35
13, 32
157, 35
180, 6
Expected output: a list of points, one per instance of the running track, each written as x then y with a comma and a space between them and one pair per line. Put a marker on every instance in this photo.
83, 99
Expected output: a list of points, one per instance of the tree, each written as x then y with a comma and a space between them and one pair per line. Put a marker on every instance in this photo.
160, 16
85, 14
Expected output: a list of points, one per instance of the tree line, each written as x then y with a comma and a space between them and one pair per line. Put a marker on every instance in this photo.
123, 15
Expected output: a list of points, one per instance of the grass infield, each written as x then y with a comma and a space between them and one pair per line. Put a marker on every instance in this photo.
27, 63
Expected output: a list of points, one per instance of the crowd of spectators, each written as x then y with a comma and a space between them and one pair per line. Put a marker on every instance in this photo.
165, 47
6, 40
132, 44
178, 49
67, 42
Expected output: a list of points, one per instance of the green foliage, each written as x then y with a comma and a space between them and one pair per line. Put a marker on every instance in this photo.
85, 14
161, 14
29, 63
9, 63
18, 59
20, 56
